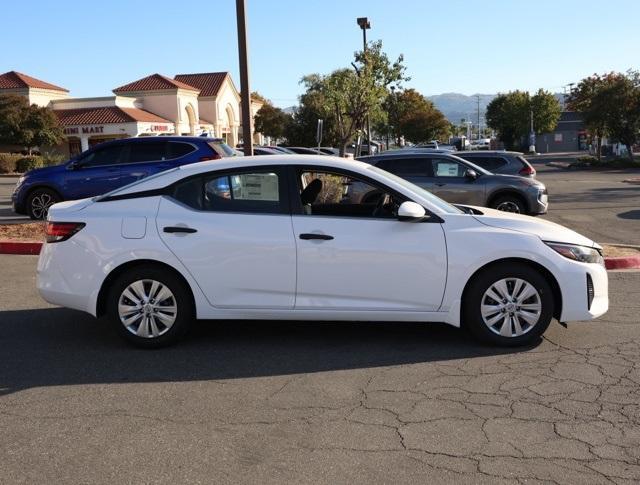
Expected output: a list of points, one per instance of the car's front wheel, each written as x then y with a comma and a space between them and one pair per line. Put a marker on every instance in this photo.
39, 201
508, 305
509, 203
150, 307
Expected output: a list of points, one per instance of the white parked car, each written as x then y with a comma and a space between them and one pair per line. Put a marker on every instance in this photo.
274, 238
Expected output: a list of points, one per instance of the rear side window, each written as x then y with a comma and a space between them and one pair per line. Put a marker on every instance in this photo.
260, 191
148, 152
179, 149
489, 163
221, 148
407, 166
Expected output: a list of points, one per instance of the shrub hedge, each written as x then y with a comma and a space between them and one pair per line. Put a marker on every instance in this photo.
8, 162
14, 162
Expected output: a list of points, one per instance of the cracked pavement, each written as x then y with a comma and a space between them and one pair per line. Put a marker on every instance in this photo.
275, 402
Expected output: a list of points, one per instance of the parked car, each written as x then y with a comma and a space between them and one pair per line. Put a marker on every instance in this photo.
272, 238
305, 151
280, 149
460, 182
108, 166
503, 162
266, 151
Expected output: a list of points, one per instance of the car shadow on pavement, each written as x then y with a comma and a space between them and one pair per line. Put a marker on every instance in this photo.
632, 214
52, 347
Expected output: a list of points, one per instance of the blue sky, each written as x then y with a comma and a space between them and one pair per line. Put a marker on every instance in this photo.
465, 46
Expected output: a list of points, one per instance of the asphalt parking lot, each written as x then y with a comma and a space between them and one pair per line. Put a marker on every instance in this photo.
273, 402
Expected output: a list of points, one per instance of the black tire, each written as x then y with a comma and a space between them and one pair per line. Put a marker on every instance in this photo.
181, 295
475, 293
510, 203
39, 201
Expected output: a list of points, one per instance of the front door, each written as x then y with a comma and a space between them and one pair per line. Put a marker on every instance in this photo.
358, 256
450, 183
94, 173
232, 231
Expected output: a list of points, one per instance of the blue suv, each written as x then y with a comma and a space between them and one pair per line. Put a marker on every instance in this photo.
108, 166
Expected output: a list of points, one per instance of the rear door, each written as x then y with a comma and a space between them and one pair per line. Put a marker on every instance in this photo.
232, 231
94, 173
143, 158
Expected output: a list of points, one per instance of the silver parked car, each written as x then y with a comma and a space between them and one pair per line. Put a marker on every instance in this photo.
458, 181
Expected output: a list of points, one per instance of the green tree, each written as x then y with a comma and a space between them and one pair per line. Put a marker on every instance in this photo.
510, 115
27, 125
344, 98
271, 121
622, 111
416, 118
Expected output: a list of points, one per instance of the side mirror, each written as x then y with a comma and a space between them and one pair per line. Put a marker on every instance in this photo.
411, 212
73, 165
471, 174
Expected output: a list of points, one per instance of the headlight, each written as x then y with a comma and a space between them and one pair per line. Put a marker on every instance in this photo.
583, 254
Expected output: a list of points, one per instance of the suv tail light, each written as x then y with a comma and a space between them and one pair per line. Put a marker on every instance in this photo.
213, 156
61, 231
527, 170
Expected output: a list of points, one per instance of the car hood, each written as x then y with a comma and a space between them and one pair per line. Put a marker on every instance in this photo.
46, 171
545, 230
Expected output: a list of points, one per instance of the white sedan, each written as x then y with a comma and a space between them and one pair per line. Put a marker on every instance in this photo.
279, 238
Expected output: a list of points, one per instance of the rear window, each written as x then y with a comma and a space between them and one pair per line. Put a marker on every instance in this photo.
179, 149
487, 162
221, 148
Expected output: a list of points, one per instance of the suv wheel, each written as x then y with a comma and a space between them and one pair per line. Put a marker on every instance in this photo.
150, 307
509, 203
508, 305
39, 201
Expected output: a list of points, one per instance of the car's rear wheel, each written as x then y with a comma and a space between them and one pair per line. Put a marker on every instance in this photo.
150, 307
508, 305
510, 203
39, 201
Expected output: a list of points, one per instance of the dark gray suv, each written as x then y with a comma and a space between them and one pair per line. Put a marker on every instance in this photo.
459, 182
502, 162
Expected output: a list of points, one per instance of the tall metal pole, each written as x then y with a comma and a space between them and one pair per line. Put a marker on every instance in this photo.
245, 100
478, 96
364, 42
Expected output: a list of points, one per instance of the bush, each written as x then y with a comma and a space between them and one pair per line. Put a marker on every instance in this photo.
29, 163
8, 162
50, 159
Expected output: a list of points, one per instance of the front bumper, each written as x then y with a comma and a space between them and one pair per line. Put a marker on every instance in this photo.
538, 201
575, 294
17, 204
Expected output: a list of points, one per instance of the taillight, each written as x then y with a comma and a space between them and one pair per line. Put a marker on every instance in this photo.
527, 170
61, 231
214, 156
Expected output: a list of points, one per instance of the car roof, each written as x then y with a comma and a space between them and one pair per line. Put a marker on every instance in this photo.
148, 139
489, 152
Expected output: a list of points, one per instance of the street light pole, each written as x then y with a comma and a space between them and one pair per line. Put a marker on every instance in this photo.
245, 101
364, 24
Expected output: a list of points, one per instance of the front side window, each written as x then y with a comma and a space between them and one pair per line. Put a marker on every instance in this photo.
448, 168
252, 191
324, 193
109, 155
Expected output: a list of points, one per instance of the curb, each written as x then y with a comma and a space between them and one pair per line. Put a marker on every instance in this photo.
20, 247
628, 262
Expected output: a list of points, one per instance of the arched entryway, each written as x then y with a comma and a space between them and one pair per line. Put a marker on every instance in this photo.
191, 117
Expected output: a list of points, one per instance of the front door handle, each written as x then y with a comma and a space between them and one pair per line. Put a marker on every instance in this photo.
441, 184
179, 229
321, 237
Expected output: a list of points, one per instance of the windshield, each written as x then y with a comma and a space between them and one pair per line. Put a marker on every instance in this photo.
425, 194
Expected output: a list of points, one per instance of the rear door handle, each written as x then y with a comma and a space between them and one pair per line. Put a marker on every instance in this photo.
179, 229
323, 237
441, 184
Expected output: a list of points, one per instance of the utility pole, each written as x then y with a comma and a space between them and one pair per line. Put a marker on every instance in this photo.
478, 97
245, 101
364, 24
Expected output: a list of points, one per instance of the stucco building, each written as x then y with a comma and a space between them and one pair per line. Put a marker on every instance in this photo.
188, 104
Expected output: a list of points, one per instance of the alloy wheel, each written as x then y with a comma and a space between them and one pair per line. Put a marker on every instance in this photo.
508, 206
511, 307
40, 205
147, 308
